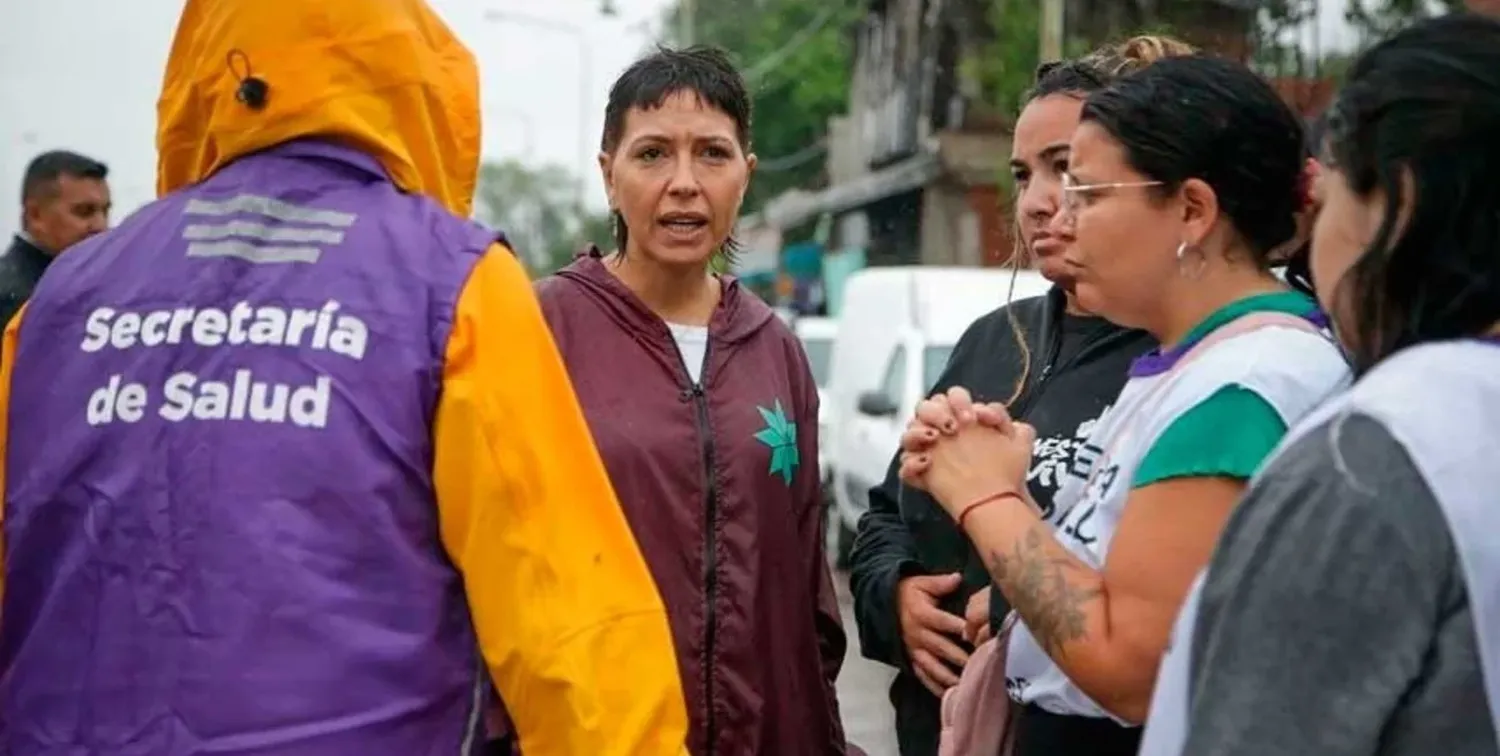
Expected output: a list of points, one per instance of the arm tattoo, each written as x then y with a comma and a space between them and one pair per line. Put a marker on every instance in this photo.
1039, 587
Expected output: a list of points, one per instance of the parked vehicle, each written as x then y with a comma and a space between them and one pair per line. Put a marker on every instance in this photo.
817, 334
897, 327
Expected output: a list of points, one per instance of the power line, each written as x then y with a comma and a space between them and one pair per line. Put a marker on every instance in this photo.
795, 160
799, 38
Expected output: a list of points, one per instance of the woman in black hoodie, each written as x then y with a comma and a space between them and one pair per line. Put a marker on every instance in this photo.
921, 594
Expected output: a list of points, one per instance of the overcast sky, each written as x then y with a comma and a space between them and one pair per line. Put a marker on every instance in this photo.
84, 75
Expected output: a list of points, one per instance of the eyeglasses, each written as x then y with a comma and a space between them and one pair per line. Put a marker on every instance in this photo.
1074, 192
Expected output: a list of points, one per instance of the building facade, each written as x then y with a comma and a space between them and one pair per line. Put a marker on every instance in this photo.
917, 167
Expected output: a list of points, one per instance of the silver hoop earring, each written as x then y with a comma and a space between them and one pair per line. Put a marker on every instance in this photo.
1199, 265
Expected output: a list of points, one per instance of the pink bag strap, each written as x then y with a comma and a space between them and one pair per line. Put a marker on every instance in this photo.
1244, 324
976, 715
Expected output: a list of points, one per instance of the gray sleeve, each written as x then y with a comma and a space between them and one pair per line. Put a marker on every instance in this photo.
1321, 601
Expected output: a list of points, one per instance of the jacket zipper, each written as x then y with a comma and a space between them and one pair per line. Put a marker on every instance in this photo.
1054, 350
1041, 384
710, 548
1032, 395
1035, 394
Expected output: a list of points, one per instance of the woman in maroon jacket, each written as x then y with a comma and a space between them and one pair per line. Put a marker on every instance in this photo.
704, 409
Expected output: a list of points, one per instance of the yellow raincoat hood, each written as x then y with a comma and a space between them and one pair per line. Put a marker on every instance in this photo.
385, 77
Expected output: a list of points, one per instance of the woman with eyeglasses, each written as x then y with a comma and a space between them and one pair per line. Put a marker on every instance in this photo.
1183, 178
1353, 604
921, 595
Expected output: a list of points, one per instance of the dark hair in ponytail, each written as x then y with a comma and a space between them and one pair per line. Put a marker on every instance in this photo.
1081, 77
1078, 78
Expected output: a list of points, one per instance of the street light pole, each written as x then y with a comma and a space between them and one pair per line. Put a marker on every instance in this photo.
585, 83
687, 11
1053, 24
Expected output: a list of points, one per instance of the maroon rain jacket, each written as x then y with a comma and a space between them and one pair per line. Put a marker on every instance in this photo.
720, 484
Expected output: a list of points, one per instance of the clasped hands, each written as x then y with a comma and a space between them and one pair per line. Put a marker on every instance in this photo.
961, 451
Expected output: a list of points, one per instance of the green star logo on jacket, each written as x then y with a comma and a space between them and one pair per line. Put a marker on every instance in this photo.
781, 435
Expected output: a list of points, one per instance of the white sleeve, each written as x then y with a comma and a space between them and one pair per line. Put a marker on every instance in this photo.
1033, 678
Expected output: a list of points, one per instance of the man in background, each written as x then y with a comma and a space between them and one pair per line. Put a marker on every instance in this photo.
64, 200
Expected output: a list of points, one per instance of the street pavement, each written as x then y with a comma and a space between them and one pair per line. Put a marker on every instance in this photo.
863, 689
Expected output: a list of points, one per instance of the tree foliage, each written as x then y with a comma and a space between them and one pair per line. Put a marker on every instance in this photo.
1004, 69
1378, 18
798, 59
799, 55
1001, 71
1370, 19
538, 209
1281, 48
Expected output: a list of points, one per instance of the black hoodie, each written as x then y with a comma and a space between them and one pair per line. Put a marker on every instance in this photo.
1078, 366
21, 268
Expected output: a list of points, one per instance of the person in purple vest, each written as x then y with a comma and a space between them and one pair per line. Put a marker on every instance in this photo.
705, 410
292, 464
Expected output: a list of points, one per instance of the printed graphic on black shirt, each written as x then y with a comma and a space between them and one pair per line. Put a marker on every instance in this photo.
1017, 686
1056, 458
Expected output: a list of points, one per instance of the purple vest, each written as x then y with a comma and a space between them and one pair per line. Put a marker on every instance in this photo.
220, 528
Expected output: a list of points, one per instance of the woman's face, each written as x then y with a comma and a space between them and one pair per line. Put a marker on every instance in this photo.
1345, 225
678, 177
1125, 239
1038, 159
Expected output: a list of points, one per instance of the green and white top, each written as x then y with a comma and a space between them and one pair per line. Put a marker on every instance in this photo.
1214, 406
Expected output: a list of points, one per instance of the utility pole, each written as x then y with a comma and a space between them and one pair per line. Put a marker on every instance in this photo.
1054, 14
687, 12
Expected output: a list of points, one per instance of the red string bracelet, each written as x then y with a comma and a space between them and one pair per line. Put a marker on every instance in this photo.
991, 499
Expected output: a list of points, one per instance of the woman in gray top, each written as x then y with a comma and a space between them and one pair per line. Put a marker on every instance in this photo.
1353, 603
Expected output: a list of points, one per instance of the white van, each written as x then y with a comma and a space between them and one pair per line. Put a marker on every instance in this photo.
817, 335
897, 327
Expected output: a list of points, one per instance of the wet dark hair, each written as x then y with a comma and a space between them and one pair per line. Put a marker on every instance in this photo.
706, 72
1417, 120
1077, 78
1216, 121
45, 169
